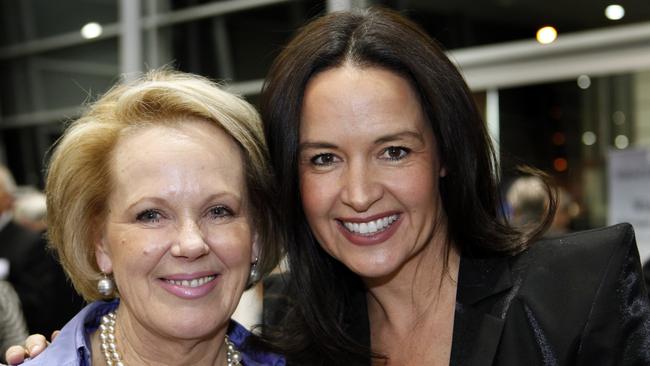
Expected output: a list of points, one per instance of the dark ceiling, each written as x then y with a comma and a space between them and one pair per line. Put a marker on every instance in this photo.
464, 23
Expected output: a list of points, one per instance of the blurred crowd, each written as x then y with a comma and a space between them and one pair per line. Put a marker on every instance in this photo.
30, 275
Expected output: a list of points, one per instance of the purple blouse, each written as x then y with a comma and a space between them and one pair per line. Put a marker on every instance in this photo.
72, 346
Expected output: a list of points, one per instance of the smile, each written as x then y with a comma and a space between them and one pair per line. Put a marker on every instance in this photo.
192, 283
370, 227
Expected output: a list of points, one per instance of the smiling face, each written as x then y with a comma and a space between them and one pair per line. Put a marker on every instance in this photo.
177, 236
369, 170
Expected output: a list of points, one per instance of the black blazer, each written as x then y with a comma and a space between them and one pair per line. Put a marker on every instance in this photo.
573, 300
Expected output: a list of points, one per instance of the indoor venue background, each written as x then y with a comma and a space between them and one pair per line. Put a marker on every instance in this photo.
573, 107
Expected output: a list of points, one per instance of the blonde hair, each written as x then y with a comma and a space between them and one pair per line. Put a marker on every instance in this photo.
79, 180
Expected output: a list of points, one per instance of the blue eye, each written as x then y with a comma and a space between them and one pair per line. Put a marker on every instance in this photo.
324, 159
220, 211
149, 216
395, 153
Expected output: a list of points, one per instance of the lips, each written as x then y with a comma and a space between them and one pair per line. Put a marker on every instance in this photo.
371, 227
196, 282
371, 230
189, 286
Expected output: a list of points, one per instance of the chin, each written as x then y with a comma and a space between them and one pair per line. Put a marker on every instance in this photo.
194, 328
372, 270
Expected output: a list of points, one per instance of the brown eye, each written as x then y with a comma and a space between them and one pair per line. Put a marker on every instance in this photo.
395, 153
323, 159
220, 211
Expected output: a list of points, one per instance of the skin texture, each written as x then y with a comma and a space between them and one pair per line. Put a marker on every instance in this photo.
178, 211
367, 150
367, 153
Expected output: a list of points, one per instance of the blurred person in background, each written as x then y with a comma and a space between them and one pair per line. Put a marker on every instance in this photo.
12, 323
528, 201
30, 210
32, 269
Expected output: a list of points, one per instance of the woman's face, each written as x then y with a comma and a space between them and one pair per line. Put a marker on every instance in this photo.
369, 170
178, 233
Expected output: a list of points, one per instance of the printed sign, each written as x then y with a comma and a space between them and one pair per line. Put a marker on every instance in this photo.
629, 193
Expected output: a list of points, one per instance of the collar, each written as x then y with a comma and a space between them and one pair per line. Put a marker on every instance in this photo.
486, 286
72, 346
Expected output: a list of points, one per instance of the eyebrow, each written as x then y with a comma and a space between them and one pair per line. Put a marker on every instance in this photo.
381, 140
399, 136
316, 145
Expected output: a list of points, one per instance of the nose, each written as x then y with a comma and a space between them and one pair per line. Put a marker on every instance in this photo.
190, 243
361, 186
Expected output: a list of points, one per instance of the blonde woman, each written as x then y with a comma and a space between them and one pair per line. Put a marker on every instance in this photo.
159, 206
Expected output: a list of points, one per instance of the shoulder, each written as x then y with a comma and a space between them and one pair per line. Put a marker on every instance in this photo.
577, 264
240, 336
578, 256
583, 294
597, 241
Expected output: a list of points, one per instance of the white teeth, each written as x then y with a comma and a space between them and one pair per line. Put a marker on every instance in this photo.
192, 283
363, 228
371, 227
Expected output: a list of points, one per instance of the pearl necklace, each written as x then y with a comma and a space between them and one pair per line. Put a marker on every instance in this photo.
113, 358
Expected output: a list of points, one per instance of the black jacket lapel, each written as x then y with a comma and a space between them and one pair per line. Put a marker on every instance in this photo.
484, 292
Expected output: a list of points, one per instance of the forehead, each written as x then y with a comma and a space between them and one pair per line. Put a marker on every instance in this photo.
177, 150
360, 98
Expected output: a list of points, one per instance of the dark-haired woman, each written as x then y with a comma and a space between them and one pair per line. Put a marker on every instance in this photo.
397, 250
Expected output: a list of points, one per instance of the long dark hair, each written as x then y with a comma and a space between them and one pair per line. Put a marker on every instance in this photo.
321, 287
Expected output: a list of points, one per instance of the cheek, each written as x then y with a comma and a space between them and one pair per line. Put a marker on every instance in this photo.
316, 192
232, 246
138, 250
421, 188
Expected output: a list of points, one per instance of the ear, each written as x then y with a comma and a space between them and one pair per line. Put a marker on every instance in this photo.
103, 255
255, 250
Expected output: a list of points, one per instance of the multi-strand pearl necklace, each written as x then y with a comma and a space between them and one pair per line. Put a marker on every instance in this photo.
113, 358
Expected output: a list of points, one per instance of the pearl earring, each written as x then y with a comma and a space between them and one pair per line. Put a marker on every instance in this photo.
254, 274
105, 286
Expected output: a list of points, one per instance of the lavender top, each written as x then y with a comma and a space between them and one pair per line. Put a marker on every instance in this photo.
72, 346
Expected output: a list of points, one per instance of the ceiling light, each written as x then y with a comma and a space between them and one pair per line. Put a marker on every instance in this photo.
584, 82
91, 30
588, 138
560, 164
546, 35
621, 142
614, 12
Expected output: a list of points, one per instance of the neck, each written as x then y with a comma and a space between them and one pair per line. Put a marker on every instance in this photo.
411, 313
140, 345
423, 286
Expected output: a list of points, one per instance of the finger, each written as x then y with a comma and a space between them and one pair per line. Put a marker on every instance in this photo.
15, 355
55, 334
35, 344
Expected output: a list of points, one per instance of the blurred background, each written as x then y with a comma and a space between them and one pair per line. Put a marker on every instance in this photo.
564, 85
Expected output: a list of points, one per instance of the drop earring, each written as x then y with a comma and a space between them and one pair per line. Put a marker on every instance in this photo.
254, 274
105, 285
